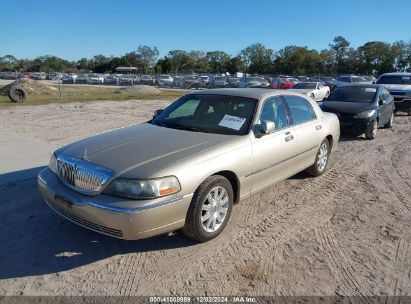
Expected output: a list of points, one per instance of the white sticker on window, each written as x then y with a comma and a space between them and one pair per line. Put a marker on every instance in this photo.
372, 90
405, 77
232, 122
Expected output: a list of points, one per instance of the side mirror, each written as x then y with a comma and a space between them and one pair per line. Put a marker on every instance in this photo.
157, 112
267, 126
381, 100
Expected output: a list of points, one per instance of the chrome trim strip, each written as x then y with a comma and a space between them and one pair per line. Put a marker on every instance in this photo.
277, 163
138, 209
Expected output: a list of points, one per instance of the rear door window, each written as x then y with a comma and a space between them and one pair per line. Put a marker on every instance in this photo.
300, 109
275, 110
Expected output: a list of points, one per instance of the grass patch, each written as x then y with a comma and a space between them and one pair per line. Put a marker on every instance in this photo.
74, 93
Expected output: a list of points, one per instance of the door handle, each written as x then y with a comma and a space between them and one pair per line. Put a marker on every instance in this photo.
289, 138
318, 127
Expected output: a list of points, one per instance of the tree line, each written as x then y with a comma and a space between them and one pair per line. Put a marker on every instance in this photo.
373, 57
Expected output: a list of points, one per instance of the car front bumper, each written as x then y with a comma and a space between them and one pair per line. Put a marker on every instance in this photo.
113, 216
402, 103
356, 125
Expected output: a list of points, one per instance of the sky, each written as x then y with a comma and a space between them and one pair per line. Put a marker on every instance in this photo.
75, 29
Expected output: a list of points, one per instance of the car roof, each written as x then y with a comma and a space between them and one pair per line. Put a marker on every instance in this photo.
363, 85
397, 74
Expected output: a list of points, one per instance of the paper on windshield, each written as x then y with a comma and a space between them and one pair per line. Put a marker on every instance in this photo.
232, 122
372, 90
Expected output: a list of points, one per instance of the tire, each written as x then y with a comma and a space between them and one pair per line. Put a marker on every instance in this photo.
195, 227
17, 94
389, 124
371, 131
321, 159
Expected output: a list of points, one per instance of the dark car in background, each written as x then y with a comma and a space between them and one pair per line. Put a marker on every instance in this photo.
84, 79
399, 86
233, 82
111, 80
218, 82
191, 82
178, 81
361, 108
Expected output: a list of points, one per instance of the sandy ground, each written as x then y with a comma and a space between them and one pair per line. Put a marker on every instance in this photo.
344, 233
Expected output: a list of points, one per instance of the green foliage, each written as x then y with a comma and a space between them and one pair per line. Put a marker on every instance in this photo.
258, 58
147, 56
373, 57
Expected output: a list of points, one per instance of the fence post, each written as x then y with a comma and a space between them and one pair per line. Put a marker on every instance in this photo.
60, 93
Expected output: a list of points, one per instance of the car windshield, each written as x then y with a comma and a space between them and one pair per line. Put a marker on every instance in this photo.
395, 79
305, 85
353, 94
164, 77
209, 113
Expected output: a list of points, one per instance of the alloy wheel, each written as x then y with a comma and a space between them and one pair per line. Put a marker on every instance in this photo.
322, 157
214, 209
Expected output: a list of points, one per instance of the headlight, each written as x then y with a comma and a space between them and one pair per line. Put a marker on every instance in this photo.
53, 163
143, 188
365, 114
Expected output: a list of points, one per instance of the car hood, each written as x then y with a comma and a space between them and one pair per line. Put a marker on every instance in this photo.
141, 150
398, 87
347, 107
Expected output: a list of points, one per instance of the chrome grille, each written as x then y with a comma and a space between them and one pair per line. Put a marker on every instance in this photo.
82, 175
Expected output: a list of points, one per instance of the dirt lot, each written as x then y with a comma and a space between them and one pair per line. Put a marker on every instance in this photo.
344, 233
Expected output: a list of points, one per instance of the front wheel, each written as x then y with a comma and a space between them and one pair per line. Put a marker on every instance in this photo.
371, 131
321, 160
210, 209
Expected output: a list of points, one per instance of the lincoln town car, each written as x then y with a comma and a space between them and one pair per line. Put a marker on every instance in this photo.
187, 167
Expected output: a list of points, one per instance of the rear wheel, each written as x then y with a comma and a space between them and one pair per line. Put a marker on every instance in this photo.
210, 209
371, 131
321, 160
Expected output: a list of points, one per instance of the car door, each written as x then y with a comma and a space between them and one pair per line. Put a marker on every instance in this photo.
273, 153
308, 130
384, 106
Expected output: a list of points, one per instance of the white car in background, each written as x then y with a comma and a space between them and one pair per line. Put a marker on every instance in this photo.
165, 81
316, 90
349, 79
